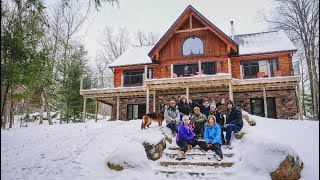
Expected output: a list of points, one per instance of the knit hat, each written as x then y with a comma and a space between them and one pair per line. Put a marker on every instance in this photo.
172, 102
213, 104
230, 102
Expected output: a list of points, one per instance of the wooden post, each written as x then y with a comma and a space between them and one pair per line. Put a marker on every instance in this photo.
230, 91
147, 101
229, 66
241, 72
96, 111
118, 107
187, 93
265, 102
171, 70
299, 102
122, 80
154, 102
84, 109
199, 66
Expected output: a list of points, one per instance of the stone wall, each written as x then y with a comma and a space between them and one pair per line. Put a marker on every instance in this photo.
241, 99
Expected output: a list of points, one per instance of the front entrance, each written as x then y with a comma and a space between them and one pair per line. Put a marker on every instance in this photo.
257, 107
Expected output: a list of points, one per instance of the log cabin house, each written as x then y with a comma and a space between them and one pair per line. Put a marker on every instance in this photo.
197, 59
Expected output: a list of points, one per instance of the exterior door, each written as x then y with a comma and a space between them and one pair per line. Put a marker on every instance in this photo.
136, 111
257, 107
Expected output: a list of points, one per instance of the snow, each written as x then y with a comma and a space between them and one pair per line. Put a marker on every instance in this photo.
133, 56
82, 150
266, 42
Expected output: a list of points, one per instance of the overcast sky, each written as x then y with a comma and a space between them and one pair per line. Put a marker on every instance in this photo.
158, 15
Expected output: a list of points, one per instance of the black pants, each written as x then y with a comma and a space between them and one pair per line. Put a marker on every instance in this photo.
199, 129
184, 144
215, 148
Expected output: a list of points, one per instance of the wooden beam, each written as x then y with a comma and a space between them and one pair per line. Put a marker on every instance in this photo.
199, 66
154, 102
265, 102
96, 111
118, 107
147, 101
229, 66
187, 93
299, 102
84, 109
192, 30
230, 92
190, 21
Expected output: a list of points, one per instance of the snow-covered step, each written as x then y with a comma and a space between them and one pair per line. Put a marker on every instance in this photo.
197, 154
196, 163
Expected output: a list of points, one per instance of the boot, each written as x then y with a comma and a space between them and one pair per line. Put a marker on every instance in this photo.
181, 154
190, 147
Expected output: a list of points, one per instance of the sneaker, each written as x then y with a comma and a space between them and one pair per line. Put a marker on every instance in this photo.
229, 145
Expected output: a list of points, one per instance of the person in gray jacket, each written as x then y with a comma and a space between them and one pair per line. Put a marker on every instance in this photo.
172, 117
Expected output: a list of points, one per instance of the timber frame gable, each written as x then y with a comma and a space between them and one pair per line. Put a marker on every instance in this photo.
180, 26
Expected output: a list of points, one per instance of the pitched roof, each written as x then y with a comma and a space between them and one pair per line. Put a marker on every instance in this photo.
177, 21
265, 42
136, 55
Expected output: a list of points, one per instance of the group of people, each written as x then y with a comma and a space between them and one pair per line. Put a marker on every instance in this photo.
202, 125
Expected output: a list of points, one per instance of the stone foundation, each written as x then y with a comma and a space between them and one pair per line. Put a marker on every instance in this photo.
286, 103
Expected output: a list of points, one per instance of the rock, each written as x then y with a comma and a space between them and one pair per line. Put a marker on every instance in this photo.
250, 122
290, 168
115, 166
239, 135
154, 152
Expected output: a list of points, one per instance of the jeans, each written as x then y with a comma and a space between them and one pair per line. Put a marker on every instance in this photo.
215, 148
173, 127
183, 144
229, 129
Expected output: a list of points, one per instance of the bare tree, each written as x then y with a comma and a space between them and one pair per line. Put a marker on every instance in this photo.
143, 39
300, 19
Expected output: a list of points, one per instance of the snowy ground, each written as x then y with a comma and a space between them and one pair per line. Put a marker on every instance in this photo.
80, 151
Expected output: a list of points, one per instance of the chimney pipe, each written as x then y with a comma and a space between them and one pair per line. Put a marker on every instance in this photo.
232, 31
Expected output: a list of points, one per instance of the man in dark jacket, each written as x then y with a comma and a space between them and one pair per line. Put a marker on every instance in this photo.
183, 107
234, 122
205, 107
192, 105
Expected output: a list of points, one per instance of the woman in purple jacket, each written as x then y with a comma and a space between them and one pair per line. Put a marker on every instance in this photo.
185, 137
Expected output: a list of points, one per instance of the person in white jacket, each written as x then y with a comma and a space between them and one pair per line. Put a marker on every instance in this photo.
172, 117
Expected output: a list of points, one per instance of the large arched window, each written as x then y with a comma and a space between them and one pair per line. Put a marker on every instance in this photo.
192, 46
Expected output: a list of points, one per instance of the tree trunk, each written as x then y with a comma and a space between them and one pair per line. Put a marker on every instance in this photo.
11, 115
3, 105
47, 107
41, 115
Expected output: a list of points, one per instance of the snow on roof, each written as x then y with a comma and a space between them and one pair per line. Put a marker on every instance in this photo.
133, 56
265, 42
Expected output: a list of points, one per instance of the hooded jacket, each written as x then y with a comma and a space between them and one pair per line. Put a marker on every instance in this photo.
171, 114
185, 133
234, 116
212, 134
218, 115
184, 108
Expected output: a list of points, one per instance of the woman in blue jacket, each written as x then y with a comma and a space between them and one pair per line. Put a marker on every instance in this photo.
212, 138
185, 137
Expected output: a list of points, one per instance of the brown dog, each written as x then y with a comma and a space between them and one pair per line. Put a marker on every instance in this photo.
148, 118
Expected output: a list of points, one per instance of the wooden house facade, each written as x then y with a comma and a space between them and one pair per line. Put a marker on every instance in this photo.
196, 59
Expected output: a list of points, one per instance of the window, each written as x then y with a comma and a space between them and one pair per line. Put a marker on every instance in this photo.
192, 46
186, 70
251, 68
136, 111
135, 77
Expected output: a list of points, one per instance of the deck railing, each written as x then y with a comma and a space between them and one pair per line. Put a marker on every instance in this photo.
97, 82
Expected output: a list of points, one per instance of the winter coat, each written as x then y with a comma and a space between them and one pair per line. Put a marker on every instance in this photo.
171, 114
218, 115
234, 116
185, 133
199, 118
212, 134
205, 109
183, 108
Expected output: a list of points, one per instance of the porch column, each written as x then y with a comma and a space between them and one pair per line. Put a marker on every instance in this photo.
147, 101
154, 102
187, 93
84, 109
241, 73
122, 80
199, 66
118, 107
229, 66
299, 102
171, 70
265, 102
145, 74
230, 91
96, 111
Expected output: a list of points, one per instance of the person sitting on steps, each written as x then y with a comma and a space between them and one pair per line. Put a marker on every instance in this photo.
212, 138
219, 116
198, 120
234, 122
172, 117
185, 138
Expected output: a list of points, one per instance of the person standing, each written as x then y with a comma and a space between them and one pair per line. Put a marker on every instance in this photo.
205, 107
183, 106
234, 122
212, 138
192, 105
172, 117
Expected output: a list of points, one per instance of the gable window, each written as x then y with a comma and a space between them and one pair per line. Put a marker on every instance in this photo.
192, 46
135, 77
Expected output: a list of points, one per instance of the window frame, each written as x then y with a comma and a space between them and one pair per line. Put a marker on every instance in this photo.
270, 61
194, 55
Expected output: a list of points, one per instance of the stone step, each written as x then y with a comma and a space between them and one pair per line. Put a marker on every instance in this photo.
195, 148
192, 154
181, 174
195, 163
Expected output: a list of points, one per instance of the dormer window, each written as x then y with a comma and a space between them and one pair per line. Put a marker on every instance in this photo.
192, 46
